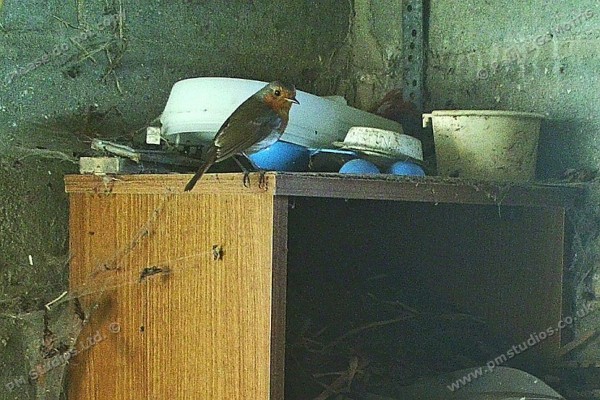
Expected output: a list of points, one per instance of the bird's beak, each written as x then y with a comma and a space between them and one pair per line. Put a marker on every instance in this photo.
293, 100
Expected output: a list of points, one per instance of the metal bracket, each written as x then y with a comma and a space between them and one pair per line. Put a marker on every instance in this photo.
413, 47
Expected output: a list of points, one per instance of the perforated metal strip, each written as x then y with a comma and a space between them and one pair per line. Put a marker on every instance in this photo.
414, 41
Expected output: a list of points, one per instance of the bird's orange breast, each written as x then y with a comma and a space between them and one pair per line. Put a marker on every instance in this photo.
280, 105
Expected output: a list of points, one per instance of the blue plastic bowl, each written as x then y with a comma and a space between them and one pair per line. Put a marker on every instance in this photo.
282, 156
406, 168
359, 166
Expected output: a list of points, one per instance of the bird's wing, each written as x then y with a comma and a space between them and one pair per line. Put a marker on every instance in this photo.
245, 127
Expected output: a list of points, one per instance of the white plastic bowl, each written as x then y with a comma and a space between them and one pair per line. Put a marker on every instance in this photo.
485, 144
197, 108
382, 144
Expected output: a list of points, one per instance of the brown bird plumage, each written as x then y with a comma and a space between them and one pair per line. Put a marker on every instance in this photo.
255, 125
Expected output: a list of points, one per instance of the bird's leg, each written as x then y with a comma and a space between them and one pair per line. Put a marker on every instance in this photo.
262, 180
244, 170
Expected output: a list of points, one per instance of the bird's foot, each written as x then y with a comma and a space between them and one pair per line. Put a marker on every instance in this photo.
262, 179
246, 179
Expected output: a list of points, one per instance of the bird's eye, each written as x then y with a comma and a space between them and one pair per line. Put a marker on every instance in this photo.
277, 92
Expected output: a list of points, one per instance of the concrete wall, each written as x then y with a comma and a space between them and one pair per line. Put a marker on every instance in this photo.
66, 76
72, 71
69, 72
160, 42
538, 56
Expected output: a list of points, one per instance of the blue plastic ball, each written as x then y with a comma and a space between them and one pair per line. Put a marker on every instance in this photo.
406, 168
282, 156
359, 166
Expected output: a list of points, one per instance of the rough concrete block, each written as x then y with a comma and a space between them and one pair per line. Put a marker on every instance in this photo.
37, 15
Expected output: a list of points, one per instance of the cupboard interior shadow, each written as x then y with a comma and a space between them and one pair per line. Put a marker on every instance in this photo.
452, 286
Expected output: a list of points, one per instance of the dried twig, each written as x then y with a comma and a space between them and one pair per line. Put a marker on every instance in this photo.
121, 15
46, 153
83, 50
56, 300
90, 53
65, 23
363, 328
79, 12
577, 343
344, 382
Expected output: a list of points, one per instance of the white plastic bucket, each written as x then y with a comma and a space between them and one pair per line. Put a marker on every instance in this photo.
485, 144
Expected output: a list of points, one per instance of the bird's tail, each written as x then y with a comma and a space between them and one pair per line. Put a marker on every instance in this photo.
209, 159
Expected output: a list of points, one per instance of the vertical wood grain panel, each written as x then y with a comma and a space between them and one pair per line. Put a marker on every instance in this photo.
200, 331
113, 367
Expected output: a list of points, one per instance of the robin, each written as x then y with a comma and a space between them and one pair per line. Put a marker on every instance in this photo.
255, 125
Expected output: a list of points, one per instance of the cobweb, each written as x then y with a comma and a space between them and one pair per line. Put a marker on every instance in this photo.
51, 336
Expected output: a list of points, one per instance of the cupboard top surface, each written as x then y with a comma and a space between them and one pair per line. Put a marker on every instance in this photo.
330, 185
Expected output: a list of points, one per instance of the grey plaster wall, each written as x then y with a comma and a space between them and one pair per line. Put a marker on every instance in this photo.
541, 56
71, 70
67, 73
158, 43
